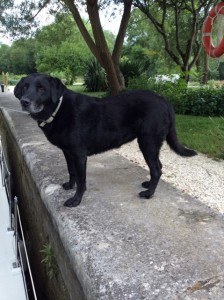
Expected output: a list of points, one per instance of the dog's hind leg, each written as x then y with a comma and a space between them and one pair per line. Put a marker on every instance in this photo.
150, 151
146, 184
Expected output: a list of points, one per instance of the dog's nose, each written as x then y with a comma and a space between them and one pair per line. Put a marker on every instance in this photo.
25, 102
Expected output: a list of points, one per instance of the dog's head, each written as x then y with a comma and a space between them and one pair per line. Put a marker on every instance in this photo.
39, 93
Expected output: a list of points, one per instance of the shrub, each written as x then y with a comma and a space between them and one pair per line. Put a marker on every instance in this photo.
129, 70
13, 82
138, 83
14, 79
204, 102
95, 77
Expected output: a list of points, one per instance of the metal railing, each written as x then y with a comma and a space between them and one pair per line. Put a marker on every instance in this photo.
6, 182
15, 224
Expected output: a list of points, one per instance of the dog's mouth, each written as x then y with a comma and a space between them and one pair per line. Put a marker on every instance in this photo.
33, 109
36, 110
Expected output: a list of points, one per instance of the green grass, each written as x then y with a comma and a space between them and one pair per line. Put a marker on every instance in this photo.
203, 134
79, 88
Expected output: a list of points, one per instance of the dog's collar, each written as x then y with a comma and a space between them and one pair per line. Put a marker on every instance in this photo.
51, 118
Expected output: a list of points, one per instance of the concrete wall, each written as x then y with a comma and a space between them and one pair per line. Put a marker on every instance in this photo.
37, 221
39, 230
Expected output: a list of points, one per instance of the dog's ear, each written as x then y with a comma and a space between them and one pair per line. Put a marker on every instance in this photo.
18, 88
57, 89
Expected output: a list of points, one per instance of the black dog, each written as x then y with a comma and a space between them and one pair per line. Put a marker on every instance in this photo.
81, 126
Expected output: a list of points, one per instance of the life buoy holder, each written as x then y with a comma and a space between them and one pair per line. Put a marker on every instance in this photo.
210, 49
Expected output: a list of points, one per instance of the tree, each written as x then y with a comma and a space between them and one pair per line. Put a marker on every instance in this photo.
18, 58
96, 42
61, 49
15, 17
144, 47
179, 23
4, 55
4, 5
22, 57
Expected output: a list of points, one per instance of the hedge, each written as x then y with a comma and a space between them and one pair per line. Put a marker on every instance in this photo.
200, 102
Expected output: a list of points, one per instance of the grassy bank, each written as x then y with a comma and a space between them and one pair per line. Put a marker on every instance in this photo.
203, 134
79, 88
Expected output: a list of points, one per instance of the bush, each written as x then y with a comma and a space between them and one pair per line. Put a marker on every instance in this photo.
95, 77
139, 83
13, 81
203, 102
129, 70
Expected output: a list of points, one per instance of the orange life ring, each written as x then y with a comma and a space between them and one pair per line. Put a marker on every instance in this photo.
207, 32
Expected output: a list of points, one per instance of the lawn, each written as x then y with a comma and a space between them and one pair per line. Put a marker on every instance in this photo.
79, 88
203, 134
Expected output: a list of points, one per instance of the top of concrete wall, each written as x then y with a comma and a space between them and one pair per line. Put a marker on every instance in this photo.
122, 247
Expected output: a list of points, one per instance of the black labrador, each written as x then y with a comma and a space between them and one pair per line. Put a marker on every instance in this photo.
81, 126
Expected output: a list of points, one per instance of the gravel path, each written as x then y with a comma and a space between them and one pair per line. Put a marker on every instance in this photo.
199, 176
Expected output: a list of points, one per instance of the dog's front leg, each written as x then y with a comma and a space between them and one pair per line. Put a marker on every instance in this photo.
79, 162
71, 170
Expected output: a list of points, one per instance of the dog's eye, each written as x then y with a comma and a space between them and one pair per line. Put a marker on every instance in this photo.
40, 89
24, 88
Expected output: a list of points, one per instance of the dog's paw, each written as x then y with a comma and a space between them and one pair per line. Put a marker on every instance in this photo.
146, 194
67, 186
72, 202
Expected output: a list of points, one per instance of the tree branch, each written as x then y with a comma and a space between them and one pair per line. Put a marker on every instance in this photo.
122, 30
160, 27
196, 55
46, 2
193, 34
79, 22
177, 17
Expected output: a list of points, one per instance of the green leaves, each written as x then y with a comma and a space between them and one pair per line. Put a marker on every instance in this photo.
60, 48
95, 76
19, 58
49, 261
204, 102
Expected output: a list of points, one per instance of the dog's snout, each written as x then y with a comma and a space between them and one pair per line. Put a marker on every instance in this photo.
25, 102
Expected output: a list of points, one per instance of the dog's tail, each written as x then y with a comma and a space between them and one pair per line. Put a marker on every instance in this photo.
172, 138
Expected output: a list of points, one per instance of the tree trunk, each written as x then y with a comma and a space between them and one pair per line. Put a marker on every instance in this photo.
185, 71
98, 45
205, 71
112, 75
